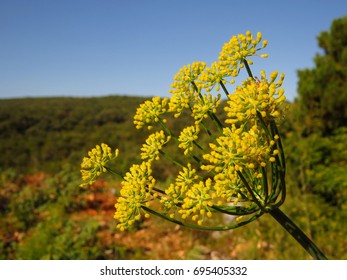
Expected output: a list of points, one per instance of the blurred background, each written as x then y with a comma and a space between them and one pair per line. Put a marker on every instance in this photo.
73, 73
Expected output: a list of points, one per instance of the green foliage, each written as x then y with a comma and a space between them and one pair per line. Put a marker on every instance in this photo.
317, 185
318, 165
316, 145
43, 217
323, 89
60, 238
43, 133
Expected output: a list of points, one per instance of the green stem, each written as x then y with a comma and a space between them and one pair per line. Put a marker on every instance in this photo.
167, 130
113, 172
248, 68
298, 234
206, 129
198, 146
195, 226
254, 199
159, 190
224, 88
171, 159
265, 184
212, 115
217, 121
279, 144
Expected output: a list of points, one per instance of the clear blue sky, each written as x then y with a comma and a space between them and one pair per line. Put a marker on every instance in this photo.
134, 47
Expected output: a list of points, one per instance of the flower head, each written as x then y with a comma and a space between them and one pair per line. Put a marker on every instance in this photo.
239, 49
136, 191
93, 165
263, 96
187, 137
198, 201
149, 112
154, 144
212, 76
185, 87
238, 148
205, 105
177, 191
227, 186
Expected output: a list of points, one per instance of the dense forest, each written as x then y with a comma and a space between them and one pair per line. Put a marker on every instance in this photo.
44, 131
44, 214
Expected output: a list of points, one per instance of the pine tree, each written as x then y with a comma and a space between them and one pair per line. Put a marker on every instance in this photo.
323, 90
316, 144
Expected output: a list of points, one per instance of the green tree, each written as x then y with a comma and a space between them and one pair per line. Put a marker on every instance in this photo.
319, 118
323, 89
316, 144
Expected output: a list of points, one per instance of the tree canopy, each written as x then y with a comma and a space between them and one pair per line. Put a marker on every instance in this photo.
323, 89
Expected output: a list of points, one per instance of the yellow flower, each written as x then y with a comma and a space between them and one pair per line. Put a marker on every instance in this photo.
238, 148
198, 202
154, 144
238, 49
187, 137
227, 186
136, 191
205, 105
177, 191
214, 75
149, 112
93, 165
185, 87
263, 96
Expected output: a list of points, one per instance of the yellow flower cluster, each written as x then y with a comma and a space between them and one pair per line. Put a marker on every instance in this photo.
149, 112
238, 148
187, 137
205, 105
238, 49
154, 144
227, 187
177, 191
93, 165
212, 76
197, 202
263, 96
185, 87
136, 191
238, 158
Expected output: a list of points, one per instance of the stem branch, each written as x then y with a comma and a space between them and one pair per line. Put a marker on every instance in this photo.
224, 88
249, 72
298, 234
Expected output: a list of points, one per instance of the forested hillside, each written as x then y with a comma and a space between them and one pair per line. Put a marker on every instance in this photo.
43, 133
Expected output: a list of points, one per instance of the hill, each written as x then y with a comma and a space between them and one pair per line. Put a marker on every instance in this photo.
44, 133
